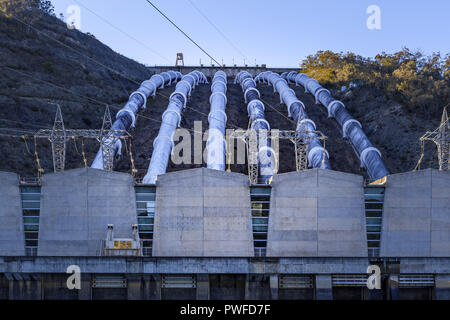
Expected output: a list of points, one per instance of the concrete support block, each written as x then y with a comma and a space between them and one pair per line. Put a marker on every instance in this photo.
77, 206
202, 213
273, 281
416, 218
12, 241
317, 213
442, 288
202, 287
323, 287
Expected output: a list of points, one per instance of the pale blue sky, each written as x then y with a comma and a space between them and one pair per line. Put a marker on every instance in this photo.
279, 33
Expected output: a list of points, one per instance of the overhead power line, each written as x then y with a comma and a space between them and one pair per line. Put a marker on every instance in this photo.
184, 33
29, 124
123, 32
70, 48
88, 99
93, 60
106, 67
217, 29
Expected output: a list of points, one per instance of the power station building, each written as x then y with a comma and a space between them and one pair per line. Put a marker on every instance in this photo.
211, 234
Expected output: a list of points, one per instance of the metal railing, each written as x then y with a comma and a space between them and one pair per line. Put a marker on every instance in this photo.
104, 251
260, 252
31, 251
29, 181
295, 282
416, 280
349, 280
374, 252
147, 251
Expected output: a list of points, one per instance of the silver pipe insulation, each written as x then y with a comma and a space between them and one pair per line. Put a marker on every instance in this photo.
258, 122
126, 117
369, 156
217, 118
318, 156
171, 119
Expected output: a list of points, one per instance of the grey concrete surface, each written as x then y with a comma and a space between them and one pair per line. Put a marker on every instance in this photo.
317, 213
202, 212
24, 277
12, 241
218, 265
76, 207
416, 217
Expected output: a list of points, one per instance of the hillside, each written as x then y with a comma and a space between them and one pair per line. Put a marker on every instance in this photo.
36, 71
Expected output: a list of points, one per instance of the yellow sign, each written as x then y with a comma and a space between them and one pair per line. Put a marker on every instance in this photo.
379, 181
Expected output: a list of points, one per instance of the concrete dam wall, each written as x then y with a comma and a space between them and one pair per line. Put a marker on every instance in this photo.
310, 235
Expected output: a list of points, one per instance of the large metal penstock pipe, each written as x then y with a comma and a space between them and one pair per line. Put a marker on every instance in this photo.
318, 156
369, 156
217, 118
171, 118
126, 117
255, 110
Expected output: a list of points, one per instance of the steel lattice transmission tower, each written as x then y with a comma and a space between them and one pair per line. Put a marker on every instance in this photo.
300, 139
108, 141
59, 135
441, 137
58, 138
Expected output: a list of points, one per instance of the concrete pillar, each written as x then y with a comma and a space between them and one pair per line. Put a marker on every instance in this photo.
324, 287
23, 289
146, 287
393, 287
247, 291
11, 289
85, 292
134, 291
19, 294
155, 288
442, 288
257, 287
273, 281
39, 291
32, 289
202, 287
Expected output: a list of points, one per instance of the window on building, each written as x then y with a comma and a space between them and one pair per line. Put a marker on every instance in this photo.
31, 205
145, 205
374, 201
260, 202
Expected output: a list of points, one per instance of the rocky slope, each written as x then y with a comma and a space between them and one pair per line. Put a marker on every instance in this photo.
36, 71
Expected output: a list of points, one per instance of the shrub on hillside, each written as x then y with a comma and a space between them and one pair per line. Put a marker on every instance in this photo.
419, 82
